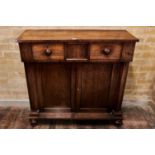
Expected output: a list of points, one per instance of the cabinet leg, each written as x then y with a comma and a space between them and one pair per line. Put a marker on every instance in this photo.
33, 122
118, 122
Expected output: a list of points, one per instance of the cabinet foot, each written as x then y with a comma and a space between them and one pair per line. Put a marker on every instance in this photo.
33, 122
118, 122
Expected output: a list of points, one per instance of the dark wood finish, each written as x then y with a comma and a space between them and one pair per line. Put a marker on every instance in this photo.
98, 51
57, 93
77, 52
95, 83
128, 51
76, 74
76, 35
56, 49
26, 54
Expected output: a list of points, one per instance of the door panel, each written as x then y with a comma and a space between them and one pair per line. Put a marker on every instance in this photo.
56, 85
95, 85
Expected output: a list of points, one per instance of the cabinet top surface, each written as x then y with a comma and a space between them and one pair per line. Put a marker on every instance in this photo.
75, 34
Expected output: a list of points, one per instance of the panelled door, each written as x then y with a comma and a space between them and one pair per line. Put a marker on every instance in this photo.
97, 86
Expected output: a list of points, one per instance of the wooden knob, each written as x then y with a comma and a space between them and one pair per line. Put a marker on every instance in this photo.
106, 51
48, 52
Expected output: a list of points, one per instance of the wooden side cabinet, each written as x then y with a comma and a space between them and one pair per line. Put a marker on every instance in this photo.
76, 74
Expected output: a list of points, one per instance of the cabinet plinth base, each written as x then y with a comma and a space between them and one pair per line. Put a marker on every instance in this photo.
46, 115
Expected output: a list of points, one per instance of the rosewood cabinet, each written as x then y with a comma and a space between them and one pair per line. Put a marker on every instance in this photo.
76, 74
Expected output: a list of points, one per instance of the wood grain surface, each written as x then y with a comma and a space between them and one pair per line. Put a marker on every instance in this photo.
83, 35
76, 74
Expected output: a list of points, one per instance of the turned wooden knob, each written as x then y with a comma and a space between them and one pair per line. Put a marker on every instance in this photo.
47, 52
106, 51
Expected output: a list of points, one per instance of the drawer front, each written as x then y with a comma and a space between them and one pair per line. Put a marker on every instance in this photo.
79, 52
105, 51
47, 52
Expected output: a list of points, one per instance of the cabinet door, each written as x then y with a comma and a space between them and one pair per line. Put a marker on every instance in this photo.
95, 84
49, 85
56, 85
